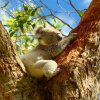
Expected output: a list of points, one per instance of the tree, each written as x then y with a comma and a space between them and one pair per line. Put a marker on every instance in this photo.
79, 63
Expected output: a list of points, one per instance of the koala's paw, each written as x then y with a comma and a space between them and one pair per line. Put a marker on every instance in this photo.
57, 70
54, 73
73, 36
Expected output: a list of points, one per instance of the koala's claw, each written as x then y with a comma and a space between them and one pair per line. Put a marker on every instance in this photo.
73, 35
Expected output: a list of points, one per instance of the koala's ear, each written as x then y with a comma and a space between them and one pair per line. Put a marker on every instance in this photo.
58, 33
39, 29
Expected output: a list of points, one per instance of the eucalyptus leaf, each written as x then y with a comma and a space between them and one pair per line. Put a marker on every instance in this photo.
33, 26
5, 5
12, 33
80, 12
25, 8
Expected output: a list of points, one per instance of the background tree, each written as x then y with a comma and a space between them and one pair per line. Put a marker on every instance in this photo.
79, 63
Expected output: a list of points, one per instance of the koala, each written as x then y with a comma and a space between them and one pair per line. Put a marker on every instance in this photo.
39, 62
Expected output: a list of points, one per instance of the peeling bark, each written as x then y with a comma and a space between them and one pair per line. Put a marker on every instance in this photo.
79, 63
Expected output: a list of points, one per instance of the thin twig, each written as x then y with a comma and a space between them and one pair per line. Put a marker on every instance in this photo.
5, 10
54, 15
46, 6
63, 22
74, 7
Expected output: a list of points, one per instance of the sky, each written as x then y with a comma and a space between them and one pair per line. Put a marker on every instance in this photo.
67, 14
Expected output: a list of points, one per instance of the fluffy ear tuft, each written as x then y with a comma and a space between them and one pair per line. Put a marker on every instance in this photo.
39, 29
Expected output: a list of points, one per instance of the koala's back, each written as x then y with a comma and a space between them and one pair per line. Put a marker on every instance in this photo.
35, 55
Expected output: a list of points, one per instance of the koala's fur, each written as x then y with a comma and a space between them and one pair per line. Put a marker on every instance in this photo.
39, 62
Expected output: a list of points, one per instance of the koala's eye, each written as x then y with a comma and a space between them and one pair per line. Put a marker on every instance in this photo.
58, 33
39, 38
59, 38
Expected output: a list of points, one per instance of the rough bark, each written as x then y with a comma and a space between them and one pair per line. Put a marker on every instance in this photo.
79, 63
14, 83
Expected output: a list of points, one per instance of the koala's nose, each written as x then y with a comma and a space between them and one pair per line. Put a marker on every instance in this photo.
59, 38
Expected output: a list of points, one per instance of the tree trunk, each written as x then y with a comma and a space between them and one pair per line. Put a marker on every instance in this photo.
79, 63
14, 83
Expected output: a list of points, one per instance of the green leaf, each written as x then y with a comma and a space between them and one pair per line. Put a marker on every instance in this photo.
26, 45
17, 17
54, 20
12, 33
39, 21
35, 10
21, 27
25, 8
80, 12
29, 22
7, 25
33, 25
4, 5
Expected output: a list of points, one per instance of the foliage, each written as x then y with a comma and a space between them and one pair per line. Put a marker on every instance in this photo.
21, 22
21, 25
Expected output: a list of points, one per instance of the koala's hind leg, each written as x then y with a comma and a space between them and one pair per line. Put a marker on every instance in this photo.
50, 69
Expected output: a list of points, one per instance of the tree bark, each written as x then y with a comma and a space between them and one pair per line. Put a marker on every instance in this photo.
79, 63
15, 84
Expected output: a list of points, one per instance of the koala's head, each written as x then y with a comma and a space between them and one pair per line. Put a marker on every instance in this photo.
47, 36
